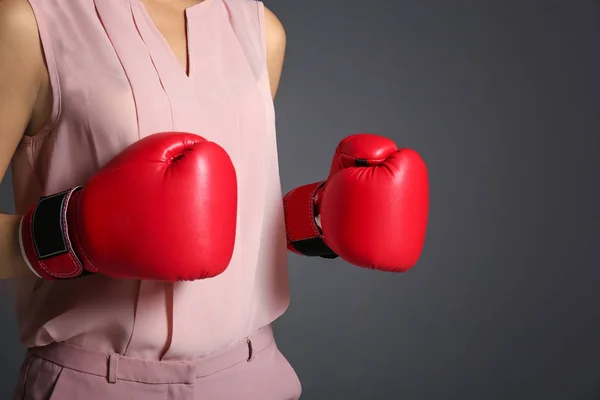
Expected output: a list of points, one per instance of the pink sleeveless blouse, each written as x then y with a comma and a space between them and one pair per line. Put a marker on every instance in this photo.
115, 80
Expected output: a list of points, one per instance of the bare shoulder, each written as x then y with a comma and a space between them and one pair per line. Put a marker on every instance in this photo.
19, 36
274, 26
21, 72
276, 45
17, 14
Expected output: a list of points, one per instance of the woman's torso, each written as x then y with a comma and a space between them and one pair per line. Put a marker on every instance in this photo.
118, 73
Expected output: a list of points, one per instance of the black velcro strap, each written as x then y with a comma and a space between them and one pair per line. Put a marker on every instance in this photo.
48, 225
314, 247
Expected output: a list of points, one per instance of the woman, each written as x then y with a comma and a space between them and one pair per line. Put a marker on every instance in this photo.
126, 311
82, 80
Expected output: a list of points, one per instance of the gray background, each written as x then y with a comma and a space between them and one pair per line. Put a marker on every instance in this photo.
502, 99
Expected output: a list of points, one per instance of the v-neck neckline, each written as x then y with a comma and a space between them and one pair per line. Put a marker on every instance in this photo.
188, 71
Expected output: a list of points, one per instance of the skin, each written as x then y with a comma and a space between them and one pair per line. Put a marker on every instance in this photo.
26, 96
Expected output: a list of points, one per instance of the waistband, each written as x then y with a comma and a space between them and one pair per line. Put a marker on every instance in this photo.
118, 367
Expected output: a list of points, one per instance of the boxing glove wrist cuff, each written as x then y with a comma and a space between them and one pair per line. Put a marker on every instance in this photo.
46, 246
303, 234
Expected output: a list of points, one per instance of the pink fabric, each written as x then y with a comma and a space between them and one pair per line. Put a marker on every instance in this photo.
252, 370
115, 80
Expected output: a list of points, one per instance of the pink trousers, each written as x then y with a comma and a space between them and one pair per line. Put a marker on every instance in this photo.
251, 370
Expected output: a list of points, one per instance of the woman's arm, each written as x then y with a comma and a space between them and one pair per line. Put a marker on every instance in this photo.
12, 264
276, 43
21, 66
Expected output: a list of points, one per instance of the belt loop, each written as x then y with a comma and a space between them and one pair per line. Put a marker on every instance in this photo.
111, 373
250, 350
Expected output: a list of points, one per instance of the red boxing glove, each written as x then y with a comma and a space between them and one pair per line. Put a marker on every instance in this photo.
163, 209
373, 207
